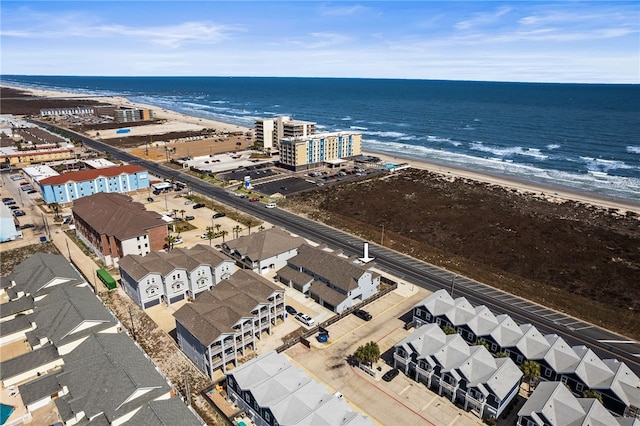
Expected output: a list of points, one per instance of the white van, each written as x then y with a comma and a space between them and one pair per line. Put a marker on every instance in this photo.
270, 205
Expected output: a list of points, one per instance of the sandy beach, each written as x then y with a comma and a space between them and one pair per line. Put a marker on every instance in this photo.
176, 121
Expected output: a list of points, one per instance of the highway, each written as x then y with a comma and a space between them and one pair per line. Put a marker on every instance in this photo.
604, 343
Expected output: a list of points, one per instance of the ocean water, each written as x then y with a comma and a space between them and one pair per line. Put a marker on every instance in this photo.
584, 138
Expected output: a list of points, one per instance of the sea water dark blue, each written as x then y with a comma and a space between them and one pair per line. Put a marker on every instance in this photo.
583, 137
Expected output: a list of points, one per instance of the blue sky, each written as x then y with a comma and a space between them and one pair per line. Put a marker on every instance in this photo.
566, 41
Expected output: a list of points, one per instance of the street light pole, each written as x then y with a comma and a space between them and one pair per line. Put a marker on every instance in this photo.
382, 237
453, 282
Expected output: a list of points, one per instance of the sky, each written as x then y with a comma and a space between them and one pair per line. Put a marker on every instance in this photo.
533, 41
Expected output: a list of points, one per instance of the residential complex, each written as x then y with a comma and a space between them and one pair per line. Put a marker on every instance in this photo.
223, 324
332, 281
54, 112
275, 392
125, 114
263, 251
469, 374
300, 152
578, 367
71, 186
269, 131
173, 276
113, 226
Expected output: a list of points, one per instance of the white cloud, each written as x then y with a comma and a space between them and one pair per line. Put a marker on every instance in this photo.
483, 18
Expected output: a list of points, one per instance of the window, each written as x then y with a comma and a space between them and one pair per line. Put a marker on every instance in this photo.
519, 359
563, 379
494, 347
579, 387
547, 372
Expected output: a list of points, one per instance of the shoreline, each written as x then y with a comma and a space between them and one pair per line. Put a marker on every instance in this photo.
179, 121
548, 193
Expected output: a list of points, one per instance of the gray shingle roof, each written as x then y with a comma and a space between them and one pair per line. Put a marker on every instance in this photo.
28, 361
16, 306
326, 293
33, 275
104, 372
20, 323
116, 214
265, 244
339, 271
288, 274
166, 412
39, 388
163, 263
65, 309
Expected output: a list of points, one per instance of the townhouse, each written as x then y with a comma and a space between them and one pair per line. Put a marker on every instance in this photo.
333, 281
223, 324
170, 277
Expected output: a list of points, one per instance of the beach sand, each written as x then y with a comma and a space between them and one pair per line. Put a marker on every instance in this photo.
176, 121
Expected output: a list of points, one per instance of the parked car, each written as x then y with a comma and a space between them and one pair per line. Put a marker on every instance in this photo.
67, 221
27, 225
291, 310
14, 207
360, 313
150, 199
390, 375
305, 319
9, 202
186, 203
4, 200
32, 191
204, 236
189, 217
178, 241
198, 206
18, 213
270, 205
218, 215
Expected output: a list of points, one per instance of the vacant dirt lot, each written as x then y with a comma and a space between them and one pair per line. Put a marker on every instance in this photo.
580, 259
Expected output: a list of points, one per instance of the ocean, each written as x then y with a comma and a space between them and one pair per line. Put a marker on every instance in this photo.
580, 137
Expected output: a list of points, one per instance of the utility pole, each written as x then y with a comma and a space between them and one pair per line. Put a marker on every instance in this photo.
453, 281
382, 237
187, 391
133, 326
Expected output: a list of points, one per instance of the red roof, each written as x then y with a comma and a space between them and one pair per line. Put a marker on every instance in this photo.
87, 175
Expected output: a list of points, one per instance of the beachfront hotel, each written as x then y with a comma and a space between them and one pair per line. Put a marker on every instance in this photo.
269, 131
301, 152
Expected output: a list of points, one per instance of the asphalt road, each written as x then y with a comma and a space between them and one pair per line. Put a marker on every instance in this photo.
604, 343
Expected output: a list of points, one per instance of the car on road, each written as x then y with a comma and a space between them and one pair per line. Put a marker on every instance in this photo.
218, 215
189, 217
360, 313
18, 213
198, 206
254, 199
390, 375
27, 225
186, 203
305, 319
150, 199
270, 205
291, 310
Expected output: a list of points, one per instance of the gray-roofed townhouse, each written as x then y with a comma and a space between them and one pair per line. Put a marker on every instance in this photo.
447, 364
29, 365
15, 329
68, 315
272, 392
263, 251
622, 394
37, 275
173, 276
112, 225
531, 346
559, 359
165, 412
552, 404
107, 375
227, 320
332, 281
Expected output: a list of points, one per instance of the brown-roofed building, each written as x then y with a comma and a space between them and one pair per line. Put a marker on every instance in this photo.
263, 251
71, 186
113, 226
227, 320
173, 276
332, 281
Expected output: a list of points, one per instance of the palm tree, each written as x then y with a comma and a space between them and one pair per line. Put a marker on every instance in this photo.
217, 226
236, 230
592, 394
223, 233
182, 212
368, 353
210, 234
56, 209
171, 240
249, 222
531, 370
449, 330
